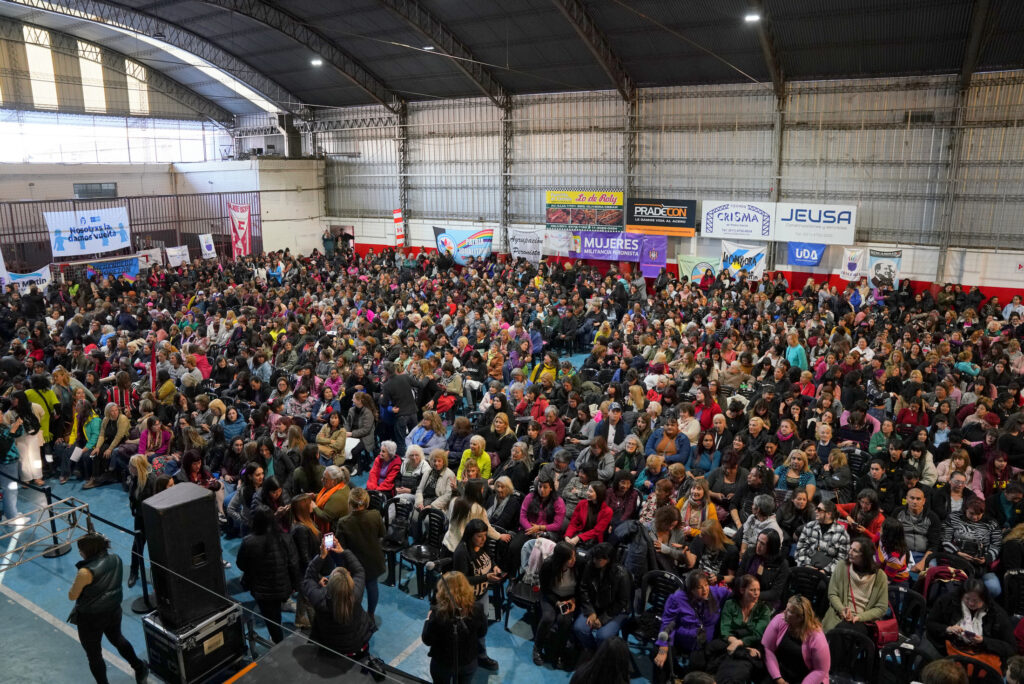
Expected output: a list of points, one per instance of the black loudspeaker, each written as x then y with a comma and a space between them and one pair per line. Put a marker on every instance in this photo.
183, 534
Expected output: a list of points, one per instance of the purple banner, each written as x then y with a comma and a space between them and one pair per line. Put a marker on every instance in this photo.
653, 254
606, 246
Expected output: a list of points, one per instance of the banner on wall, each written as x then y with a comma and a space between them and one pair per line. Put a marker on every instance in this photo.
605, 246
737, 257
557, 243
526, 243
805, 253
150, 257
653, 254
464, 244
89, 231
694, 267
206, 247
241, 230
823, 223
4, 277
854, 264
399, 229
176, 256
114, 268
884, 267
676, 218
24, 281
584, 210
743, 220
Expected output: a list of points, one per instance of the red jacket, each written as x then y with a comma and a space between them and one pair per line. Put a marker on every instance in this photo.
579, 521
874, 530
383, 475
907, 417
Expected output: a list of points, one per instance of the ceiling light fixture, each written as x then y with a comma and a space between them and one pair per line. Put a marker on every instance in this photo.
428, 48
752, 17
316, 61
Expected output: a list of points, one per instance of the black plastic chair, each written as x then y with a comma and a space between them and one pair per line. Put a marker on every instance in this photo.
418, 555
854, 656
811, 584
496, 549
645, 621
900, 665
977, 671
911, 610
1013, 591
858, 461
397, 537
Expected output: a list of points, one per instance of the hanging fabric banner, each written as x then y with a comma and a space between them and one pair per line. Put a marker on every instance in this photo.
24, 281
150, 257
89, 231
606, 246
694, 267
854, 265
4, 277
399, 229
176, 256
241, 230
653, 254
805, 254
206, 247
464, 244
884, 266
526, 243
737, 257
557, 243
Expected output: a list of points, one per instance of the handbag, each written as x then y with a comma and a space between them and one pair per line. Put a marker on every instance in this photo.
883, 631
990, 659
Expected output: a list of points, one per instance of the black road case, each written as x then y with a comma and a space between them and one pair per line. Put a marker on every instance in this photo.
194, 653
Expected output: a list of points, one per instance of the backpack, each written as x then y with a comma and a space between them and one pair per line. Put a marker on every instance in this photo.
941, 580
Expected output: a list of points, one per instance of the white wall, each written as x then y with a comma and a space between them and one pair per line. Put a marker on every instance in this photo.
226, 176
292, 200
20, 182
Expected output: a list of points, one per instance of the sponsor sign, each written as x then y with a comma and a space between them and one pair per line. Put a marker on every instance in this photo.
677, 218
584, 210
821, 223
744, 220
463, 244
805, 253
737, 257
884, 267
89, 231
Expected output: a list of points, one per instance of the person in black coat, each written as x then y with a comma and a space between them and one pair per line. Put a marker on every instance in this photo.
603, 591
473, 561
270, 568
340, 625
946, 622
764, 561
456, 619
397, 398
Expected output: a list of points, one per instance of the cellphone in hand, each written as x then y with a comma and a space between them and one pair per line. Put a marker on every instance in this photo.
329, 541
565, 608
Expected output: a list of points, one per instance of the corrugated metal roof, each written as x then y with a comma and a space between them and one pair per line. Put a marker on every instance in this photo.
529, 46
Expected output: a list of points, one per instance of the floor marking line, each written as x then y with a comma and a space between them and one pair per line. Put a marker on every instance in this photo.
112, 658
409, 650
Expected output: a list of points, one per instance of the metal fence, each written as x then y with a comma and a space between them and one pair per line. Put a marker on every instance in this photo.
156, 221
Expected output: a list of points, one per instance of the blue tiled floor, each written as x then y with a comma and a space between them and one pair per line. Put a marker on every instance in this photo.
35, 651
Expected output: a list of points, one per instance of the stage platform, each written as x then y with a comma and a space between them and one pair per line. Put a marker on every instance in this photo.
297, 661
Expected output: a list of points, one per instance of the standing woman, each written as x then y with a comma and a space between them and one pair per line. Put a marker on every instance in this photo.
9, 467
97, 613
340, 625
141, 486
306, 538
270, 569
30, 441
360, 532
795, 649
473, 561
455, 619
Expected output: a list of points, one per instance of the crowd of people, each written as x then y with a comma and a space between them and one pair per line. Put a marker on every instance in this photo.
729, 433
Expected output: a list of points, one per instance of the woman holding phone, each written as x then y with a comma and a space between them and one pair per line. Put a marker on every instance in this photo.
473, 561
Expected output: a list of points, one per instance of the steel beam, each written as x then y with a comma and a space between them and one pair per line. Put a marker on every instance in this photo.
432, 29
303, 33
507, 142
107, 13
979, 17
598, 44
402, 138
631, 146
766, 38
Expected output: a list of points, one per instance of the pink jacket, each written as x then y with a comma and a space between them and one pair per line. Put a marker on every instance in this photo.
815, 650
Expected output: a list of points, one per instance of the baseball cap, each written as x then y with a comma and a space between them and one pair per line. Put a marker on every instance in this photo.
615, 406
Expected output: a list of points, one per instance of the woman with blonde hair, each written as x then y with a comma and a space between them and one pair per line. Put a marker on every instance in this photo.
340, 624
796, 628
141, 486
452, 629
697, 508
714, 554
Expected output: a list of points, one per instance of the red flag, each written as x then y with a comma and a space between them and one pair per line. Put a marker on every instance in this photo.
241, 230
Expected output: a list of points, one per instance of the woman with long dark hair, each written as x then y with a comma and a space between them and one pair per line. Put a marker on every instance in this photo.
472, 560
558, 579
864, 516
892, 553
591, 518
270, 568
858, 591
690, 617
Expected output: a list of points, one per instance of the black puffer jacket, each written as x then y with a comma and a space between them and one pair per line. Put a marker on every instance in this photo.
348, 637
270, 566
